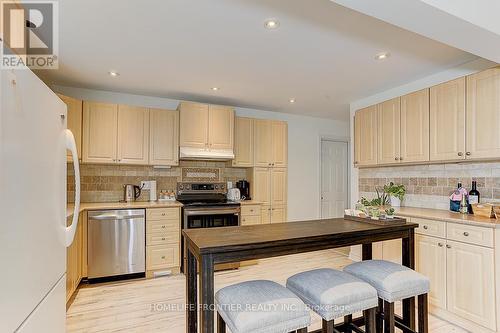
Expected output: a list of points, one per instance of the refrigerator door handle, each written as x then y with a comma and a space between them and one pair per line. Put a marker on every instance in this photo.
71, 146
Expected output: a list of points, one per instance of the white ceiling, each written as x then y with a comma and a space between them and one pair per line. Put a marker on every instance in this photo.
322, 54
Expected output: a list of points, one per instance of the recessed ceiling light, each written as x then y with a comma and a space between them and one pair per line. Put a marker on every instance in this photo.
114, 73
271, 24
215, 88
292, 100
382, 55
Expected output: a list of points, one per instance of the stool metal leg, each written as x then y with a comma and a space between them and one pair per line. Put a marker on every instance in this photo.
423, 314
389, 317
348, 321
370, 315
328, 326
380, 311
221, 325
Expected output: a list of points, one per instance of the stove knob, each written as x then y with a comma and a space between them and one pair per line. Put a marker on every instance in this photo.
216, 187
222, 187
181, 187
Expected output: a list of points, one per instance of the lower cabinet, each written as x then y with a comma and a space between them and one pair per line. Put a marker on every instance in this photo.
250, 215
163, 239
75, 261
462, 279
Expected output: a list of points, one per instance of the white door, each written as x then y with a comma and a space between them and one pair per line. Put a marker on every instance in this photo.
334, 182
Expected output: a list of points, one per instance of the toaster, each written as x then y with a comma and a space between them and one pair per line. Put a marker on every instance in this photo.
233, 194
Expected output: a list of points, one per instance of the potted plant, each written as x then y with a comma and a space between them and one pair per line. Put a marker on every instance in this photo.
396, 193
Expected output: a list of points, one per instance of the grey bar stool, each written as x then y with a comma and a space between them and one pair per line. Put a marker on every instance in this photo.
394, 283
260, 307
334, 294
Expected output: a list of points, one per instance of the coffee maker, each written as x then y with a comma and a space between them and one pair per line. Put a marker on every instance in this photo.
244, 187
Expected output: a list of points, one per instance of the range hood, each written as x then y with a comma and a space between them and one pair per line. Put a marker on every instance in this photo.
190, 153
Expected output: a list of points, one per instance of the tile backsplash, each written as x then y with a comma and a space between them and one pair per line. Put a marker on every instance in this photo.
104, 183
429, 186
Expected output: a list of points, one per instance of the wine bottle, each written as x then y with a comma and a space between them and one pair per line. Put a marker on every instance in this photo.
474, 195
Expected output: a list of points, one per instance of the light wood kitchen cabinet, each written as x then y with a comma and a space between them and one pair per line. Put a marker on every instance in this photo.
278, 186
261, 185
133, 135
483, 115
470, 282
74, 121
270, 143
270, 188
220, 127
389, 131
243, 142
100, 128
193, 127
164, 137
430, 260
447, 121
415, 127
278, 214
365, 136
75, 259
251, 214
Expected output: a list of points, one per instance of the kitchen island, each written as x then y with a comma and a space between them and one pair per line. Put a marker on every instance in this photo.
208, 247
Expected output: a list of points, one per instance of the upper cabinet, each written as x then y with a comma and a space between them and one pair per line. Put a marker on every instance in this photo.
206, 126
100, 128
415, 127
243, 142
389, 115
447, 121
74, 121
270, 143
483, 115
133, 135
164, 137
365, 136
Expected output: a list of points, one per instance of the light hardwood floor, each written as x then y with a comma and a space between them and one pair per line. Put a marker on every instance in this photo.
156, 305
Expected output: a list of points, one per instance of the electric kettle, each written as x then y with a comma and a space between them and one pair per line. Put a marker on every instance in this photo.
131, 192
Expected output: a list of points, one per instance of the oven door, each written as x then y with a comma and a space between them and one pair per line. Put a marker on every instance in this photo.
211, 217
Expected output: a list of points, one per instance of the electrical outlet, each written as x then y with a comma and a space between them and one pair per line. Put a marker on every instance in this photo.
146, 185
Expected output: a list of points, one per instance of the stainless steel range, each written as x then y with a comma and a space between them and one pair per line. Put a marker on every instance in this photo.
205, 205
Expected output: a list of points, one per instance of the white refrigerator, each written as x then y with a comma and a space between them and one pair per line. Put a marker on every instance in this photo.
33, 230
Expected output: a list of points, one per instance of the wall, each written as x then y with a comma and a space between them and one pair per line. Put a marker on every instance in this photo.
304, 135
450, 74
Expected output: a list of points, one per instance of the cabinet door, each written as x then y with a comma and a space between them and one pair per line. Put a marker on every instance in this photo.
265, 214
447, 121
100, 126
278, 186
220, 127
430, 260
243, 142
193, 125
392, 250
263, 154
74, 121
365, 136
280, 143
278, 214
471, 282
262, 185
483, 114
389, 131
133, 135
164, 137
415, 127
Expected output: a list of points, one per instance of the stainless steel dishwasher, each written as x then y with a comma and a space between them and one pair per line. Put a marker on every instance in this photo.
116, 243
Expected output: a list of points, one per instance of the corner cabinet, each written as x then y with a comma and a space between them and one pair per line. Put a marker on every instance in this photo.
164, 137
74, 121
365, 137
206, 126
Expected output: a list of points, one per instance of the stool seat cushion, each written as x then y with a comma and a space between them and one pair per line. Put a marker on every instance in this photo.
393, 282
332, 293
261, 307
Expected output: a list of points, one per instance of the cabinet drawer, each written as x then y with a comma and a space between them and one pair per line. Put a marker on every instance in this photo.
159, 238
470, 234
162, 226
162, 256
250, 220
163, 213
250, 210
430, 227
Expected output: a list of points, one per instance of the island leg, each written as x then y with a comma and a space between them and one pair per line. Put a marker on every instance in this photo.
408, 258
207, 294
191, 292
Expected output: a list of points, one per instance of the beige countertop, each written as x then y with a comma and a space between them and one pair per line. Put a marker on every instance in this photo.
447, 216
250, 202
121, 205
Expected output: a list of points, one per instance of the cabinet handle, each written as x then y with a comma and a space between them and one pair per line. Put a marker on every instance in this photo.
466, 234
163, 257
468, 153
425, 227
440, 244
243, 220
162, 214
400, 158
460, 153
163, 238
396, 158
163, 226
448, 246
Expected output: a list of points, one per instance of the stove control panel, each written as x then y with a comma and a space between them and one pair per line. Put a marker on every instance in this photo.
201, 188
